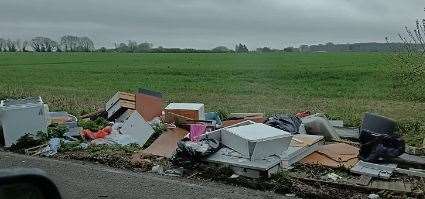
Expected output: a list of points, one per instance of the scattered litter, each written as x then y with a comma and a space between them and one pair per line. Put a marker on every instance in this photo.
84, 145
158, 169
333, 176
174, 172
52, 148
373, 196
233, 176
374, 170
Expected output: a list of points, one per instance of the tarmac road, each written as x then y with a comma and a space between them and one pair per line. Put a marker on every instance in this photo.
77, 179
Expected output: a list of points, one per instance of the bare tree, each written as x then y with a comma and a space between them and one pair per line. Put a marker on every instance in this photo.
25, 45
11, 45
43, 44
409, 74
132, 46
86, 44
2, 45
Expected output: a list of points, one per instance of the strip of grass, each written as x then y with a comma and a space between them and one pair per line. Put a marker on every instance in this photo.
343, 85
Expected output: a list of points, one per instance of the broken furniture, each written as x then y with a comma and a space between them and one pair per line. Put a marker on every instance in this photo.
166, 144
119, 103
333, 155
149, 104
176, 112
19, 117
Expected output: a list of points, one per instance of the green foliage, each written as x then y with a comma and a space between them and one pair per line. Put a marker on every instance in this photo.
409, 76
95, 125
70, 146
223, 114
25, 142
412, 132
105, 149
283, 182
56, 131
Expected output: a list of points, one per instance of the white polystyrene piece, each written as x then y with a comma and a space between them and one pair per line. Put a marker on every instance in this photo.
184, 106
136, 127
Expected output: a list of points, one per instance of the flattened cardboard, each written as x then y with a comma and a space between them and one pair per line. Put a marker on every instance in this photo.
166, 144
334, 156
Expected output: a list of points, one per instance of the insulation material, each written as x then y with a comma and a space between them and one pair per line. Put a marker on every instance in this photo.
136, 127
334, 156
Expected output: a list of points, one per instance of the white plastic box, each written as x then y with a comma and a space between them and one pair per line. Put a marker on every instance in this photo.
256, 141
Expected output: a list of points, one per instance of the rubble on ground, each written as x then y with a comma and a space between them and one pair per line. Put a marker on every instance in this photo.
304, 154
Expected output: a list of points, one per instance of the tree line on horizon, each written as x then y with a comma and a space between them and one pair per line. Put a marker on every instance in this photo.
69, 43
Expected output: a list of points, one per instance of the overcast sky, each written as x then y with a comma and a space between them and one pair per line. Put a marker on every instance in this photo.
210, 23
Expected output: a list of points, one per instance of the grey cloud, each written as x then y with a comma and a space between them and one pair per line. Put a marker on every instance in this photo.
208, 23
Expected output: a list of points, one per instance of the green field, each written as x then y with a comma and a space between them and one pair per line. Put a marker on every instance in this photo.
343, 85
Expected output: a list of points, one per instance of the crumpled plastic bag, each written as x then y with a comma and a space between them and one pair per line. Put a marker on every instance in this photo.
189, 152
379, 148
52, 148
288, 123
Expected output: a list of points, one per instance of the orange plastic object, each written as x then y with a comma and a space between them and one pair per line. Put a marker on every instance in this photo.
99, 134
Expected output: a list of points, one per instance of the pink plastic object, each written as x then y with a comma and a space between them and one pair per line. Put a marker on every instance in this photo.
196, 130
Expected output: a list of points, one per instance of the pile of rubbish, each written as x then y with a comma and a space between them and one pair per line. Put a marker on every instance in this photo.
249, 144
